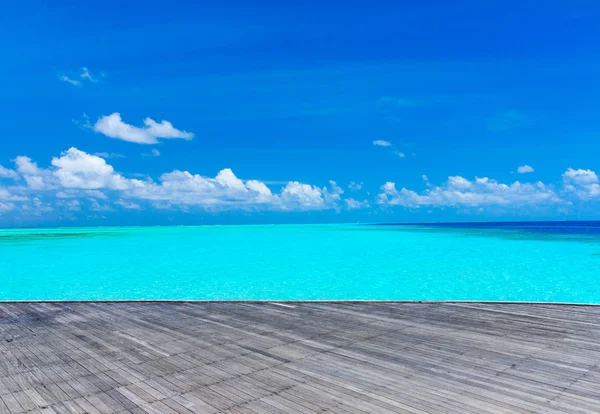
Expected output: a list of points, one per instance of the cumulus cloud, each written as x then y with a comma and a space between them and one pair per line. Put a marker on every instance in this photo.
7, 173
458, 182
580, 176
4, 194
352, 204
26, 166
36, 182
332, 194
185, 188
35, 177
459, 191
303, 196
78, 169
113, 126
524, 169
382, 143
583, 183
78, 181
335, 188
77, 175
226, 191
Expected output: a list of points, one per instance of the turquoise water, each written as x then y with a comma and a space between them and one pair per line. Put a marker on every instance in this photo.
312, 262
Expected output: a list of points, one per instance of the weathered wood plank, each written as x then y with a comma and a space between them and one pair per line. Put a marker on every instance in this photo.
346, 357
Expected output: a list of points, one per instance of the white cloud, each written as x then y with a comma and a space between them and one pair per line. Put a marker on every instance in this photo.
335, 189
6, 173
165, 129
35, 177
153, 153
524, 169
352, 204
41, 207
580, 176
83, 123
85, 74
128, 205
113, 126
583, 183
227, 191
332, 194
77, 80
302, 196
77, 180
263, 194
458, 191
6, 195
95, 206
109, 155
75, 193
35, 182
64, 78
389, 187
424, 177
74, 205
69, 205
76, 174
78, 169
5, 207
391, 149
460, 182
26, 166
354, 186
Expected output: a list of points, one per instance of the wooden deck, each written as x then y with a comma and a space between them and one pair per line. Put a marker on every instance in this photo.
299, 358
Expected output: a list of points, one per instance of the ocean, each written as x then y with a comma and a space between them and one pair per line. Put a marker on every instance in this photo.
540, 262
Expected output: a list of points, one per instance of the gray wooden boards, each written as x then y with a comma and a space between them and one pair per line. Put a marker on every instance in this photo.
298, 357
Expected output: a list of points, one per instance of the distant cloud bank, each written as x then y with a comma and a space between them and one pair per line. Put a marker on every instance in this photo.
77, 180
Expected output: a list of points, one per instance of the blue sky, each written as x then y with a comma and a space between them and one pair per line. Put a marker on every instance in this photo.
192, 112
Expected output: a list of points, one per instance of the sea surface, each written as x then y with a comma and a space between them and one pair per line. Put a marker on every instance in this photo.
551, 261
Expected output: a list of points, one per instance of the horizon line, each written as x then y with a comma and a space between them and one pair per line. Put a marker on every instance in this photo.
305, 224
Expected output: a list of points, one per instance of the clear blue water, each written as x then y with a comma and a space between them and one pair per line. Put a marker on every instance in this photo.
557, 262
